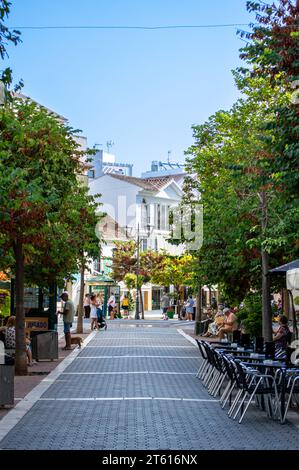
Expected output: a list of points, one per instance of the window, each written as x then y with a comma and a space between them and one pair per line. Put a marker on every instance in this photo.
157, 216
163, 217
144, 244
91, 174
145, 218
97, 265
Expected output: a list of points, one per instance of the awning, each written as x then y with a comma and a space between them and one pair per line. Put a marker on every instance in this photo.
101, 279
285, 267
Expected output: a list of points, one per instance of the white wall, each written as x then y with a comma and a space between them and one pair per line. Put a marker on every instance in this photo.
118, 198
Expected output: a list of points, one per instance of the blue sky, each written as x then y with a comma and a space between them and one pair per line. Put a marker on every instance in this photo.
141, 89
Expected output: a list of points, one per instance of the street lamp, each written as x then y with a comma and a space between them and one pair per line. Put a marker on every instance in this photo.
148, 228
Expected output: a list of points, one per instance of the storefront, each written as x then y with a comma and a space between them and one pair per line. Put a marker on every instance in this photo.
105, 286
40, 307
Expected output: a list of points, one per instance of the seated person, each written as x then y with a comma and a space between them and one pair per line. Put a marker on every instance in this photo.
282, 335
213, 327
207, 321
230, 323
10, 338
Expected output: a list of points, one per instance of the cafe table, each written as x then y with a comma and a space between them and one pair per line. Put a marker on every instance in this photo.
275, 365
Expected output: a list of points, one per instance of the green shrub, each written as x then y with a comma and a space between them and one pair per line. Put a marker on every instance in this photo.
250, 315
4, 303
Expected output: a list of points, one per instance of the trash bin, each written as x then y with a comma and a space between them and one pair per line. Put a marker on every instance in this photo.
7, 374
44, 345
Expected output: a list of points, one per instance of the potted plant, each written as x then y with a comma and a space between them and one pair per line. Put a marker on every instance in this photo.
170, 312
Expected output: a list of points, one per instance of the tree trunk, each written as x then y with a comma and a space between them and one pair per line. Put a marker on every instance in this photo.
141, 303
285, 302
178, 302
198, 317
21, 356
266, 302
81, 300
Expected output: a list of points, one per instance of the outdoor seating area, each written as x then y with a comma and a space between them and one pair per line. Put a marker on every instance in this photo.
245, 375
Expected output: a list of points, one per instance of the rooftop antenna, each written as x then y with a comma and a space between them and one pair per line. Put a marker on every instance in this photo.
109, 144
168, 156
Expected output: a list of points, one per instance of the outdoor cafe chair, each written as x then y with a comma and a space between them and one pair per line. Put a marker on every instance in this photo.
293, 391
254, 384
204, 363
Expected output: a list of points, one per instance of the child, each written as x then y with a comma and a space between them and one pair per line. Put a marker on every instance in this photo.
28, 350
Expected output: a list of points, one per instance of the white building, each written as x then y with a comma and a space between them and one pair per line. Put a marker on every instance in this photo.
105, 162
133, 203
146, 203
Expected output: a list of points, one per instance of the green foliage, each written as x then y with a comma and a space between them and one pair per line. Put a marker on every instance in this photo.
130, 281
250, 315
43, 205
248, 154
4, 303
47, 218
124, 261
7, 37
173, 270
272, 53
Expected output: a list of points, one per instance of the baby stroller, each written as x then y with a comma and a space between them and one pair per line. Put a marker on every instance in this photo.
101, 320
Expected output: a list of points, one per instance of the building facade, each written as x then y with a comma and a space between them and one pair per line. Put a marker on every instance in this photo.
137, 206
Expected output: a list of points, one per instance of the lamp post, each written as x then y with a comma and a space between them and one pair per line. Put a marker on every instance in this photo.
138, 291
137, 316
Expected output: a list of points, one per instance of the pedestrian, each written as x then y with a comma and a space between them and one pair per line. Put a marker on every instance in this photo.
10, 338
190, 308
125, 306
111, 306
87, 306
165, 303
68, 318
93, 312
283, 335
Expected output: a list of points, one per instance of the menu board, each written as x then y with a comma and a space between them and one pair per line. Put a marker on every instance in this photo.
36, 324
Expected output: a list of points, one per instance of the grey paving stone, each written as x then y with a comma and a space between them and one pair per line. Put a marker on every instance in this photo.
150, 364
146, 424
155, 423
140, 351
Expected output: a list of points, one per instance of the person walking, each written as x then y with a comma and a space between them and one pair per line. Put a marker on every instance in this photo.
125, 306
165, 303
87, 306
190, 308
93, 312
68, 318
111, 306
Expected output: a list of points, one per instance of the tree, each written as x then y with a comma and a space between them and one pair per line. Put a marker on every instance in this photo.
173, 271
39, 161
244, 219
126, 261
272, 54
6, 36
73, 233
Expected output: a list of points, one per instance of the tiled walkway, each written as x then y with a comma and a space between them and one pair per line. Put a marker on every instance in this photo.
135, 388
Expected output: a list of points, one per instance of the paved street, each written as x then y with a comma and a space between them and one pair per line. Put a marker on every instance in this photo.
134, 387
